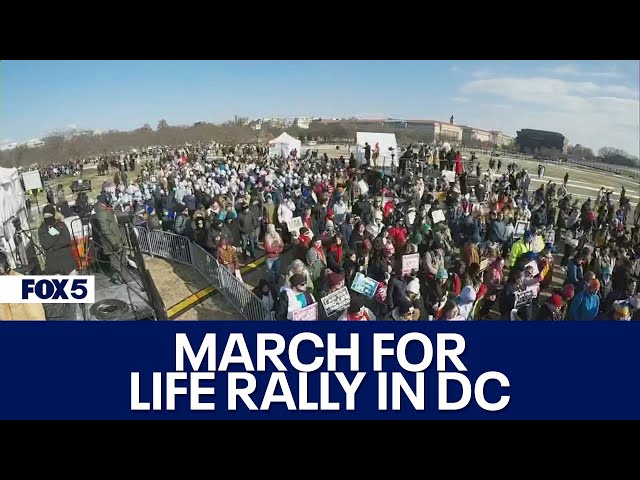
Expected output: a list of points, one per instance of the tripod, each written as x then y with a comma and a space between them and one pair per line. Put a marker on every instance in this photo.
21, 249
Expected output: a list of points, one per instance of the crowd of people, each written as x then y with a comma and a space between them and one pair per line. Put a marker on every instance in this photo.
438, 238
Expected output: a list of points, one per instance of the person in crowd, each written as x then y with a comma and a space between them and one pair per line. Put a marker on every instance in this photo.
109, 230
293, 297
357, 312
55, 240
273, 247
509, 297
264, 293
586, 303
466, 301
367, 221
552, 309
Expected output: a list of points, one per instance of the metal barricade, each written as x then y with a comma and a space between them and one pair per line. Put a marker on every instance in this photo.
180, 249
243, 299
204, 263
143, 239
170, 246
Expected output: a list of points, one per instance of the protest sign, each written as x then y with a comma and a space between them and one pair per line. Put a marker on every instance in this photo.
364, 188
534, 266
449, 176
364, 285
521, 227
337, 301
437, 216
523, 298
295, 224
410, 262
310, 312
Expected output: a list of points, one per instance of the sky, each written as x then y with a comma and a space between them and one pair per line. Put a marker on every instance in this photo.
593, 103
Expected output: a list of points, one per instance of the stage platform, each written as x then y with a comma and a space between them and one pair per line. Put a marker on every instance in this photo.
113, 302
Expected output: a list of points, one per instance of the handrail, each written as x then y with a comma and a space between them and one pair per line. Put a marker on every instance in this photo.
181, 249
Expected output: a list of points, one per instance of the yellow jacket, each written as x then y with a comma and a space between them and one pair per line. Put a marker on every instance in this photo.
21, 311
519, 248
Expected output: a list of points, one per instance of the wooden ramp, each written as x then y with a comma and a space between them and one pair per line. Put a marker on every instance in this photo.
186, 294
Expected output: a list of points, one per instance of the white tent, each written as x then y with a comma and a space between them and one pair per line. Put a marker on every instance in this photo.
283, 145
12, 205
386, 143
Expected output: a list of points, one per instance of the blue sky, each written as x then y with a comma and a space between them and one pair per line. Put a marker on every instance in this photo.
594, 103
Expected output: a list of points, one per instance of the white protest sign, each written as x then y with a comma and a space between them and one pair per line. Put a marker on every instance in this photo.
295, 224
437, 216
337, 301
410, 263
534, 267
521, 227
305, 314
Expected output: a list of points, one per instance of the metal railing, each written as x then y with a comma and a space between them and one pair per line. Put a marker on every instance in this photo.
243, 299
165, 245
204, 263
182, 250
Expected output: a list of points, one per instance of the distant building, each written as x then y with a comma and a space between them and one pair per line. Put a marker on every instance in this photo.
278, 122
531, 141
474, 135
499, 138
435, 130
303, 122
34, 143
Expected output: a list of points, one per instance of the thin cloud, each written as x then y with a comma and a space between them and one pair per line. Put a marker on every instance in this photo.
587, 113
481, 73
570, 69
460, 99
365, 116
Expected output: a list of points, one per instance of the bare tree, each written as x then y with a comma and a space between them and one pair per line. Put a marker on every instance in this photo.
616, 156
162, 124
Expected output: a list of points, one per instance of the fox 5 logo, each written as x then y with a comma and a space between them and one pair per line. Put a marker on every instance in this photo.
57, 289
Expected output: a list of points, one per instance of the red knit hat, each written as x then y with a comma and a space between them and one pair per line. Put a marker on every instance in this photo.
556, 300
568, 291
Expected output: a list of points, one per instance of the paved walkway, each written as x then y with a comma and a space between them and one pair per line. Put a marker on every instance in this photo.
186, 294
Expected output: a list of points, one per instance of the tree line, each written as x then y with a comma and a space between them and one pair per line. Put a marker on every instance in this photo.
62, 147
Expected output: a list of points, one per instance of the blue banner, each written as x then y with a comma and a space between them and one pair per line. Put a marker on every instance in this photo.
320, 370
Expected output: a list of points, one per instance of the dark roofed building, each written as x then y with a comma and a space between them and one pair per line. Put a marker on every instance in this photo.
531, 141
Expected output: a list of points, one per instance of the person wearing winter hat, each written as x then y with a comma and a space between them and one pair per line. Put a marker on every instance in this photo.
586, 304
405, 311
357, 312
293, 297
109, 234
465, 301
552, 309
438, 292
55, 240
